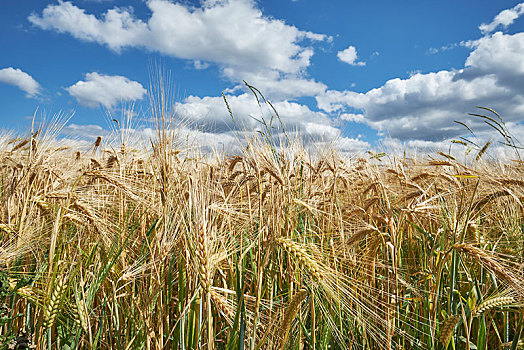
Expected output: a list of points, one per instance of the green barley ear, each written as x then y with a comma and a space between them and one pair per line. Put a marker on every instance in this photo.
81, 311
53, 303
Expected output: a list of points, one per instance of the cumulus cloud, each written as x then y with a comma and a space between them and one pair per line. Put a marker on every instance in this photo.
209, 119
495, 151
20, 79
352, 117
277, 86
200, 64
503, 19
499, 54
434, 50
105, 90
234, 34
205, 122
346, 145
424, 106
90, 131
349, 56
210, 113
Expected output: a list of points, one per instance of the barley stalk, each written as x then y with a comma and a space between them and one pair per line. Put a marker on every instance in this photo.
145, 239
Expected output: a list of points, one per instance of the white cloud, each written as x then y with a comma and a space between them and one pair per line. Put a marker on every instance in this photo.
20, 79
209, 119
347, 144
281, 87
496, 150
499, 54
503, 19
202, 128
200, 64
117, 29
234, 34
349, 56
352, 117
90, 131
434, 50
424, 106
105, 90
211, 114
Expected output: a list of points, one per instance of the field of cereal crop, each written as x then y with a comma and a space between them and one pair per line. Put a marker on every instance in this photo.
273, 247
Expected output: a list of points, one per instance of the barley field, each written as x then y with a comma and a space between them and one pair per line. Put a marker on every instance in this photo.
275, 246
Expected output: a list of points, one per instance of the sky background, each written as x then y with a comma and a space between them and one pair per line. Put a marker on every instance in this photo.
353, 73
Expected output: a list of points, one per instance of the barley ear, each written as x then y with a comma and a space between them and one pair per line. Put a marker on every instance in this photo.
302, 256
202, 259
81, 311
53, 303
448, 328
290, 314
492, 303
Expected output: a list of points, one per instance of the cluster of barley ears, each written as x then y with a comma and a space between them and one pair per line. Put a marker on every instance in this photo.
273, 246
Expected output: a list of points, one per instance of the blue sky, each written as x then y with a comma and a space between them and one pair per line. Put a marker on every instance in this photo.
358, 72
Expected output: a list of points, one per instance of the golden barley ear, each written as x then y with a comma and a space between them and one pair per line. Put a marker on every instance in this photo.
290, 314
20, 145
492, 303
202, 258
472, 233
221, 305
233, 162
302, 256
97, 144
448, 328
490, 262
520, 344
